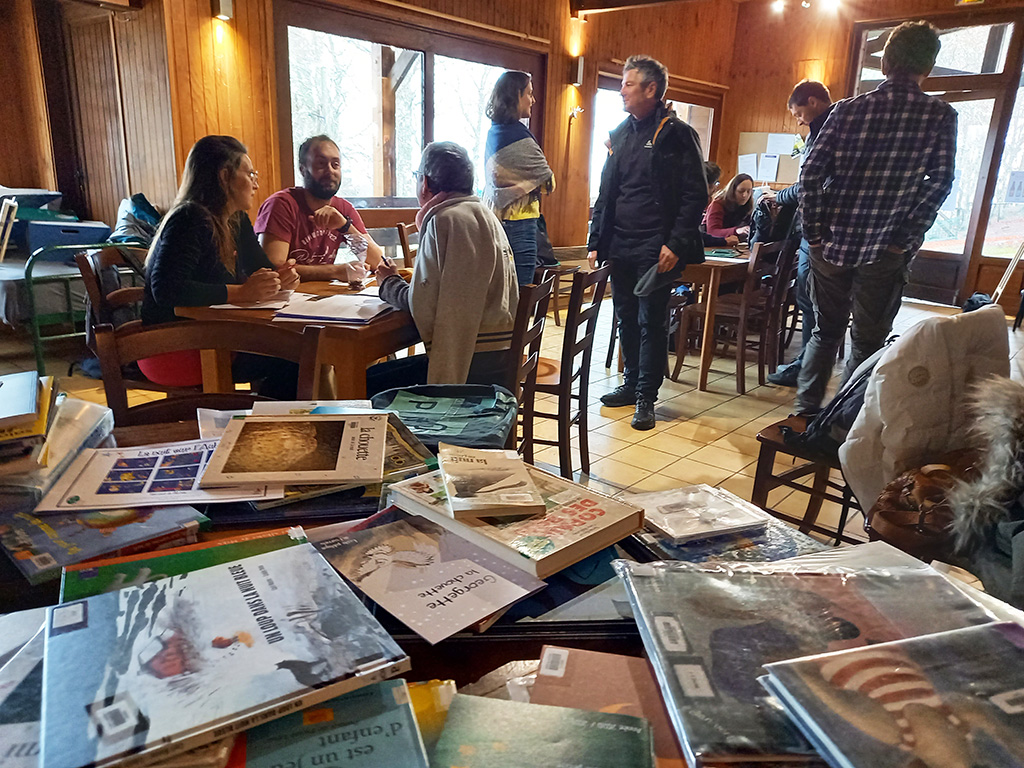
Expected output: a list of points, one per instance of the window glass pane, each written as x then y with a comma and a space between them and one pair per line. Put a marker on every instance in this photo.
1006, 221
461, 91
338, 89
608, 113
949, 232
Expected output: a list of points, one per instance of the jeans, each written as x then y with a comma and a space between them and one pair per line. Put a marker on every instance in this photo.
522, 236
803, 302
872, 292
643, 321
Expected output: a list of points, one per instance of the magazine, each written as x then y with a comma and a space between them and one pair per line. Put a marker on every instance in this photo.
487, 483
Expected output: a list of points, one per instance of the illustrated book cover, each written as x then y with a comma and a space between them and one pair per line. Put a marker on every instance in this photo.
425, 575
578, 521
315, 449
487, 483
111, 478
430, 701
41, 546
190, 659
20, 689
708, 630
496, 733
111, 574
373, 726
948, 700
17, 439
19, 398
778, 541
698, 512
607, 682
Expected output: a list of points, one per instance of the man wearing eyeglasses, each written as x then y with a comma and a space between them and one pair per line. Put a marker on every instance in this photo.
310, 223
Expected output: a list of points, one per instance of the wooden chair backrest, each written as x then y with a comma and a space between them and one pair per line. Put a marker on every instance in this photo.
126, 345
582, 315
92, 264
527, 335
405, 233
386, 218
771, 265
8, 212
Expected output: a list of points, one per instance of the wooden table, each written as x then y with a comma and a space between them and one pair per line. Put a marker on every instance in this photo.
351, 349
713, 273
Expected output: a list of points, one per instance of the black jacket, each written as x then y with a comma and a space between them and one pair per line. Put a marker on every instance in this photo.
677, 176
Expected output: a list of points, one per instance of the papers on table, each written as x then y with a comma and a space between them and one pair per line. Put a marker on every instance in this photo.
355, 308
278, 301
112, 478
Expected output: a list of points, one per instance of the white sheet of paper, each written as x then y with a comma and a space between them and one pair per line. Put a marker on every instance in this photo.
278, 301
748, 165
780, 143
299, 407
768, 167
352, 308
147, 476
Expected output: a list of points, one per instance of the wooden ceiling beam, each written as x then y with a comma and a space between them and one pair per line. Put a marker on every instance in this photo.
603, 6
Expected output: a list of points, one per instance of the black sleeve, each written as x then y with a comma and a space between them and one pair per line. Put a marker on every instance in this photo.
395, 291
606, 190
183, 268
251, 256
789, 196
710, 241
693, 192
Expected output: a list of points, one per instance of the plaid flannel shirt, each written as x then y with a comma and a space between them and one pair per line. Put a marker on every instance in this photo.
877, 173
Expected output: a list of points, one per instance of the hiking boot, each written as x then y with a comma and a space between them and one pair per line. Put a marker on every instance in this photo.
620, 396
785, 377
643, 418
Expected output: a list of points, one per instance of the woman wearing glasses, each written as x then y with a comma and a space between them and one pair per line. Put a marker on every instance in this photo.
516, 170
205, 252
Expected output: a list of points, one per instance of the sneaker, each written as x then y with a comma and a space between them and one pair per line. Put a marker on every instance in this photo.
785, 377
620, 396
643, 418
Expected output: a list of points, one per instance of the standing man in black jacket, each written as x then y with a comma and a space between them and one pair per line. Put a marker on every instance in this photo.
811, 104
646, 218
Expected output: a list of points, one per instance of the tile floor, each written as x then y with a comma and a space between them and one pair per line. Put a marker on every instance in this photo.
699, 437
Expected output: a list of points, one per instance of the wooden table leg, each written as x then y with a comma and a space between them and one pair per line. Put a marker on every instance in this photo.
217, 370
349, 374
707, 350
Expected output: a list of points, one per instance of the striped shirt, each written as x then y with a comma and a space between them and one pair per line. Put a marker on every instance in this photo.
877, 173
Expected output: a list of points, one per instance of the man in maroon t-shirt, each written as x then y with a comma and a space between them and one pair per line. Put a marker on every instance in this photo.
309, 223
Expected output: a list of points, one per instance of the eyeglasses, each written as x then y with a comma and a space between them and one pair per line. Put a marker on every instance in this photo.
254, 176
417, 175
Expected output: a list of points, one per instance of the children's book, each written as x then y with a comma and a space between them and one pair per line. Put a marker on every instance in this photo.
111, 574
111, 478
487, 483
578, 521
190, 659
495, 733
425, 575
430, 702
16, 629
607, 682
778, 541
17, 440
953, 699
41, 546
708, 630
698, 512
19, 398
20, 688
309, 449
373, 726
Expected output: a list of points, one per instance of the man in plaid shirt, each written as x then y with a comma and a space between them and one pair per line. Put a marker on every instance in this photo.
870, 188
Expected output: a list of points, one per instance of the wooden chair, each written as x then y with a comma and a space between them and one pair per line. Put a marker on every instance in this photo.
8, 212
116, 348
524, 357
759, 305
110, 307
560, 377
823, 488
557, 290
409, 248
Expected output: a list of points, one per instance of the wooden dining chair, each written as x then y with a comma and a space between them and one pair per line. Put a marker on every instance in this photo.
524, 356
126, 345
406, 232
758, 306
8, 213
110, 301
568, 378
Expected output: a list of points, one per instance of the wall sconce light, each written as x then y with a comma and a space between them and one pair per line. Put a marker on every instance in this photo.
223, 9
577, 76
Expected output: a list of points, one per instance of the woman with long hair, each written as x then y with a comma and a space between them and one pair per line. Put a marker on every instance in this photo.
205, 252
516, 170
729, 212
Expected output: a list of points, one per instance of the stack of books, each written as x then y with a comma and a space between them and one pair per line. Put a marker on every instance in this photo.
26, 408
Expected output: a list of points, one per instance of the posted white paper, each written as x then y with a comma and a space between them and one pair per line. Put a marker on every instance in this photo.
768, 167
780, 143
748, 165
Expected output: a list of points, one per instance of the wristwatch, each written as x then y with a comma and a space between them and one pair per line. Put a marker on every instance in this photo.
348, 225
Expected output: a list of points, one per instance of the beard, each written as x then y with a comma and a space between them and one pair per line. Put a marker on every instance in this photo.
318, 190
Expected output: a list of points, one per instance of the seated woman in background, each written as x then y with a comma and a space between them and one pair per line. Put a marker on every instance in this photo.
205, 253
516, 169
729, 213
712, 173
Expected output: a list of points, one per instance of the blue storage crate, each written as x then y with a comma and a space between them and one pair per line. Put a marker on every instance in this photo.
43, 233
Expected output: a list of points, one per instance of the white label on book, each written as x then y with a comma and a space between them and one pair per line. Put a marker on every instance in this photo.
68, 615
1011, 702
670, 632
694, 681
554, 662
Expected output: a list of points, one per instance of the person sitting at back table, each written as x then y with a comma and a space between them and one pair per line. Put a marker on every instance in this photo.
729, 213
712, 172
205, 252
309, 223
463, 293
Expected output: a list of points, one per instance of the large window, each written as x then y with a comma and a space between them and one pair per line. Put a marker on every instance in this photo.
382, 91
